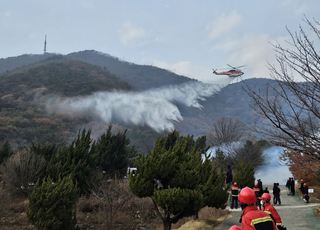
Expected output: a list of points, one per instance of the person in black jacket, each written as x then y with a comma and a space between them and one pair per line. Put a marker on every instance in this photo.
292, 186
288, 187
276, 194
301, 185
260, 186
229, 175
265, 190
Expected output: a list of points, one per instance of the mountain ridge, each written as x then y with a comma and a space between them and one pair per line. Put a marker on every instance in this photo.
230, 101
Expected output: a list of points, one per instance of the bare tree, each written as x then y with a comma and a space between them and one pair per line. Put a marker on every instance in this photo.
23, 169
290, 110
225, 130
115, 195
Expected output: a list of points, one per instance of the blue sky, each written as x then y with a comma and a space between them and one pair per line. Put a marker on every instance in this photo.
187, 37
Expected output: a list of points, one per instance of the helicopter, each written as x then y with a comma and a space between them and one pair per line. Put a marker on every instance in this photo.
233, 72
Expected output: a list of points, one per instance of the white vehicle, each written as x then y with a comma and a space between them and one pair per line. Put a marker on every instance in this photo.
130, 170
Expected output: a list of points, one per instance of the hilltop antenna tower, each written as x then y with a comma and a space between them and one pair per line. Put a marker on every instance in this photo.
45, 45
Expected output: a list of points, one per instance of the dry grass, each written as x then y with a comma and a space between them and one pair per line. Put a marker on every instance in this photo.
92, 213
207, 217
317, 211
200, 225
314, 197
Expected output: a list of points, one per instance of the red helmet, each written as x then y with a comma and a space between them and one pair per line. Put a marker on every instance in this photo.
301, 180
235, 183
265, 196
305, 184
235, 227
256, 185
247, 196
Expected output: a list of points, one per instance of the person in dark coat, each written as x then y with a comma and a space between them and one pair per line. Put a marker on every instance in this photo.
292, 186
229, 175
265, 190
260, 186
301, 185
273, 191
305, 193
276, 194
288, 187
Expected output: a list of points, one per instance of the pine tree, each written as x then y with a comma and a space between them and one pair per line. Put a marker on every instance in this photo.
5, 152
114, 151
186, 179
79, 160
244, 174
50, 204
46, 150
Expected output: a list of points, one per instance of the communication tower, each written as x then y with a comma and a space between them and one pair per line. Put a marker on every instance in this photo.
45, 45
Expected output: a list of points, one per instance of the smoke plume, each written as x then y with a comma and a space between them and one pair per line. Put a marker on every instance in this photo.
154, 108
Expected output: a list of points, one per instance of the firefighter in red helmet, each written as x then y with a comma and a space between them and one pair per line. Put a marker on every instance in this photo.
251, 217
257, 191
234, 196
268, 208
305, 192
301, 185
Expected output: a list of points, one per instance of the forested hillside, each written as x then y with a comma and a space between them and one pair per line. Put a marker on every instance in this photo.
29, 81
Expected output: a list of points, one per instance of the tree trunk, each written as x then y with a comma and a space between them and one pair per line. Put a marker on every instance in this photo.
167, 224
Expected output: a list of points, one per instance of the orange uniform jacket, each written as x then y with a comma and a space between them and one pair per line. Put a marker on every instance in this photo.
268, 208
235, 191
256, 191
254, 219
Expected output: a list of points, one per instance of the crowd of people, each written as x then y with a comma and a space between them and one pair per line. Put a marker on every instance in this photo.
305, 191
258, 190
256, 204
290, 185
257, 210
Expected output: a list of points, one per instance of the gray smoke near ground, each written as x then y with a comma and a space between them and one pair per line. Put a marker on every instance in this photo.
271, 172
154, 108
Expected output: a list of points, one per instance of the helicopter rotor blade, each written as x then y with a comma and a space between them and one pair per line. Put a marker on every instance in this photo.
240, 66
230, 66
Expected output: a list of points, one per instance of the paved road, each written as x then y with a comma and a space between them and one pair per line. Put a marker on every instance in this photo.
294, 213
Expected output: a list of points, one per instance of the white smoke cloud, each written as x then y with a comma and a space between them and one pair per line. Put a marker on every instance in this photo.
154, 107
273, 172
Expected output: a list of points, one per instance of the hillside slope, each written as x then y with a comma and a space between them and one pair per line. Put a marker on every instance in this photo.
25, 90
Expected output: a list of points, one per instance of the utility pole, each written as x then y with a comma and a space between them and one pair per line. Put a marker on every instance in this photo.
45, 45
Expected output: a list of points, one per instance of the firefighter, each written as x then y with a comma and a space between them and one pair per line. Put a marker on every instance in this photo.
268, 208
292, 186
257, 191
301, 185
305, 193
234, 196
251, 217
